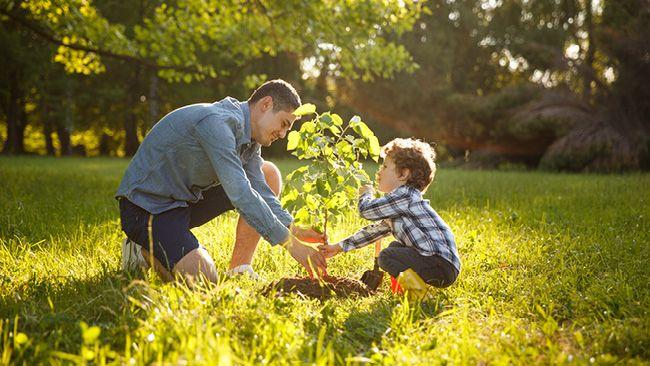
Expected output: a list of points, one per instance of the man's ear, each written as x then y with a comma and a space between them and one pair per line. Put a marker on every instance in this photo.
266, 103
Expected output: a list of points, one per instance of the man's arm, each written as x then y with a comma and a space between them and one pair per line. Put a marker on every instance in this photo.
218, 140
253, 169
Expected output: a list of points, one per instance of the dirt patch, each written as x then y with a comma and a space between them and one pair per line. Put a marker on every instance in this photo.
325, 288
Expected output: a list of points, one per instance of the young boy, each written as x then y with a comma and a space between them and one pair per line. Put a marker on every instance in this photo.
424, 242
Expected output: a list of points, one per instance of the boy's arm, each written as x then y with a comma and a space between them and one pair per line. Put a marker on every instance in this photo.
365, 236
392, 205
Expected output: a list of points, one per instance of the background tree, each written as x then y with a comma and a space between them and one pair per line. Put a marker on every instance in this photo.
521, 81
559, 84
192, 40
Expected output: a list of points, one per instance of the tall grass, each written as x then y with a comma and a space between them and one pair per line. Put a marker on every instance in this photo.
555, 270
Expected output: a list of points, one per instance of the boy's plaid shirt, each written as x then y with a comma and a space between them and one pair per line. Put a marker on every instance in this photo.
410, 218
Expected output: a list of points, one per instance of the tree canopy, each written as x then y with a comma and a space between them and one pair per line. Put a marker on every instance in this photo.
558, 84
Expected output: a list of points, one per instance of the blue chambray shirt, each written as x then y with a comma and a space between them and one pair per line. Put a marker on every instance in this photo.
197, 147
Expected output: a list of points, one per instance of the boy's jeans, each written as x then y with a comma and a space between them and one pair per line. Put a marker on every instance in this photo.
434, 270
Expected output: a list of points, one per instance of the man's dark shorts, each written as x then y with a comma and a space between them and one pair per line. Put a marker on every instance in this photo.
172, 238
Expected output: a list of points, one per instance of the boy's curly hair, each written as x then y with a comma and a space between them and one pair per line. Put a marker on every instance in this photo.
415, 155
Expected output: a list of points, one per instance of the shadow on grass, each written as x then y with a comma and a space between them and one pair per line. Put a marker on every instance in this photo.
390, 316
50, 312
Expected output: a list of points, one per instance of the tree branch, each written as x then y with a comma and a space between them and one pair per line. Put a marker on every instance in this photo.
21, 21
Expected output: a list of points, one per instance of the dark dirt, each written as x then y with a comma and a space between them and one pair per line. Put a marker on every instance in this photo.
325, 288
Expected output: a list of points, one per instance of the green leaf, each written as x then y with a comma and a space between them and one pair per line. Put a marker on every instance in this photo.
363, 130
374, 148
304, 109
302, 216
343, 148
292, 140
323, 187
325, 120
307, 187
308, 127
337, 119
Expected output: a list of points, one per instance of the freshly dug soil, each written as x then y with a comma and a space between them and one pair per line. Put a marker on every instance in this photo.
328, 286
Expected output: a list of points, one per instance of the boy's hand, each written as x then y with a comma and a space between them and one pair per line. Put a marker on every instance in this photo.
308, 235
330, 250
308, 257
365, 189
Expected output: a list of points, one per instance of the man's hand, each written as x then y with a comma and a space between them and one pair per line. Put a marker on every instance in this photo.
308, 235
365, 189
330, 250
308, 257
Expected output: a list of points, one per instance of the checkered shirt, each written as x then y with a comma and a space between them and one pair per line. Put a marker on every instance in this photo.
410, 219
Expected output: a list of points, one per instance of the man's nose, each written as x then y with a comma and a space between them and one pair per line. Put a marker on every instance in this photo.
283, 133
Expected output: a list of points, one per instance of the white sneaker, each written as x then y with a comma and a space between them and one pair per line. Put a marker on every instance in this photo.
243, 269
132, 258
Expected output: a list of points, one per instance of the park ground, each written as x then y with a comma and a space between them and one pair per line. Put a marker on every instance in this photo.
555, 270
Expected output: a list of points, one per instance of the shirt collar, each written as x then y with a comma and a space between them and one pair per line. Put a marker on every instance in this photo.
411, 190
247, 122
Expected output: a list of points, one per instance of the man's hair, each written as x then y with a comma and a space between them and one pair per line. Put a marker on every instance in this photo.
285, 98
415, 155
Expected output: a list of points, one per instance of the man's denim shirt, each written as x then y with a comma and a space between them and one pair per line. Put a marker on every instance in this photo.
197, 147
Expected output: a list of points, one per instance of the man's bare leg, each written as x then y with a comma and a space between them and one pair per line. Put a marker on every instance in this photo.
164, 274
194, 265
247, 238
198, 262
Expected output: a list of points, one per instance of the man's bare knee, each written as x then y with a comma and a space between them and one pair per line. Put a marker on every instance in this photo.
196, 264
158, 267
273, 177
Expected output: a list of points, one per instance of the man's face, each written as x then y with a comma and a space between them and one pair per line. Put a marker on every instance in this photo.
273, 125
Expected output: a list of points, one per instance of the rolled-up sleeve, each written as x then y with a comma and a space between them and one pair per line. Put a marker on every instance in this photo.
218, 140
253, 169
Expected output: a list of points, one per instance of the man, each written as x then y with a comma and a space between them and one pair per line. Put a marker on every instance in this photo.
198, 162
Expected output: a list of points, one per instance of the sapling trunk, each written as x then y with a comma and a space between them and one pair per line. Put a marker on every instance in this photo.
333, 153
325, 221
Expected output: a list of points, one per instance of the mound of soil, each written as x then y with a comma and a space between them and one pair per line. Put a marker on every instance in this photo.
325, 288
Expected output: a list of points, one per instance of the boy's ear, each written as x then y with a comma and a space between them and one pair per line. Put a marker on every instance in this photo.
404, 174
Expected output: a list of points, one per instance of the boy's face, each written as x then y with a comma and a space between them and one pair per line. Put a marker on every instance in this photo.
388, 176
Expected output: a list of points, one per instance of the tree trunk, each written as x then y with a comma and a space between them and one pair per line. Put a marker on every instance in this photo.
105, 145
47, 129
591, 50
16, 121
130, 118
64, 140
49, 143
153, 98
65, 130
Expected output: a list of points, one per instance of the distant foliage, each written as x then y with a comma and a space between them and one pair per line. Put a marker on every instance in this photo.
190, 40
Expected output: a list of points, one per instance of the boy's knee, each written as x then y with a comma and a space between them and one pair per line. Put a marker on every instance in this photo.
388, 262
384, 259
273, 177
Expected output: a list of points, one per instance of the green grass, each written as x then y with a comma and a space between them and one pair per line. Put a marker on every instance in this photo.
555, 270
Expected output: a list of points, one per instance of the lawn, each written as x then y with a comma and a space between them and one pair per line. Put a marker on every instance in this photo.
555, 270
